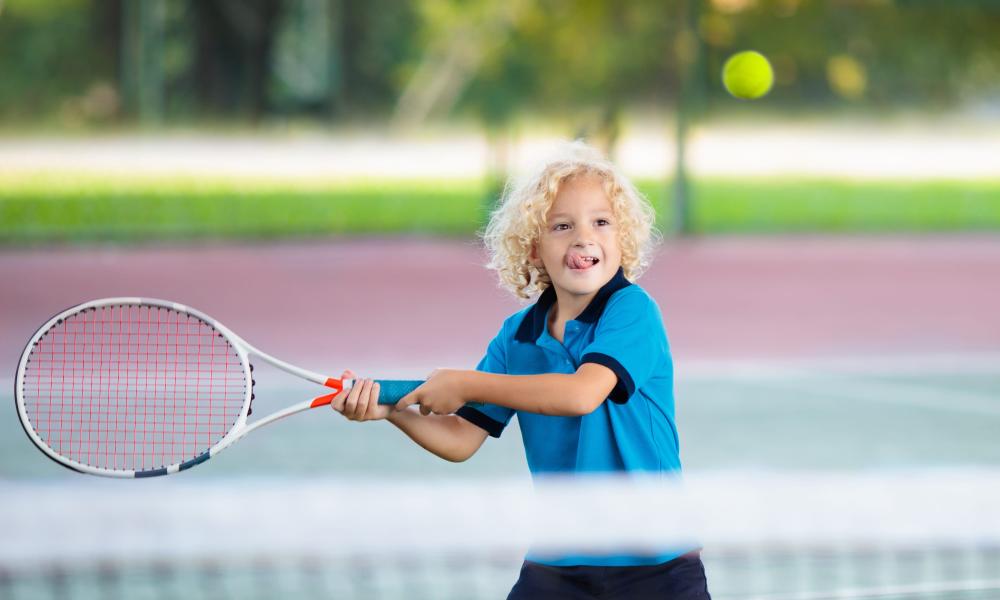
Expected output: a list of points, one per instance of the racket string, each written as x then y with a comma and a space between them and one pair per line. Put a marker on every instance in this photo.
133, 387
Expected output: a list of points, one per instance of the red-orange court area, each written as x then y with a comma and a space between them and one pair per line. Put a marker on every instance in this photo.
401, 306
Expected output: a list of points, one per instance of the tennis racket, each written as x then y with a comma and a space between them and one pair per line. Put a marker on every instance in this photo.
136, 387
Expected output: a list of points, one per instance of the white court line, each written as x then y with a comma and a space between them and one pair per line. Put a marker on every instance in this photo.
830, 378
980, 363
976, 585
898, 394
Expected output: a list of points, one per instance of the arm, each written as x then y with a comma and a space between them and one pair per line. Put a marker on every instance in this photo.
449, 437
559, 394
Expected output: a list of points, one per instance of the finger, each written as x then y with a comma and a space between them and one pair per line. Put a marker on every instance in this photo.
351, 402
337, 403
372, 402
358, 406
408, 400
348, 374
364, 398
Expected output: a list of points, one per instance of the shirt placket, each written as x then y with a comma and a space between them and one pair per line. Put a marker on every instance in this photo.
561, 350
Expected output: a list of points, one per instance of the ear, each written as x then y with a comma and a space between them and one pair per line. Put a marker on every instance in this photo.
533, 256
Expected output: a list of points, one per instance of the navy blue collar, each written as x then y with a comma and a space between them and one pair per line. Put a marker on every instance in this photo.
534, 322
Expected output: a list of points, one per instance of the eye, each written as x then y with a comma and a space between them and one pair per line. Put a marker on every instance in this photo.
603, 222
560, 227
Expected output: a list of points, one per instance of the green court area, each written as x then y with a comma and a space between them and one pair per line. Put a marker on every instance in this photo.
39, 209
821, 419
805, 421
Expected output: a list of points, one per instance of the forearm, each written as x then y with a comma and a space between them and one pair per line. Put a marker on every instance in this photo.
558, 394
448, 436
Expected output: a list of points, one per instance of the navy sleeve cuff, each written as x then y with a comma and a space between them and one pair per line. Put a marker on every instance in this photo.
625, 387
489, 425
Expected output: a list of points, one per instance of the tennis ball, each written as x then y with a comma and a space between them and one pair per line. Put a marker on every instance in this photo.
747, 75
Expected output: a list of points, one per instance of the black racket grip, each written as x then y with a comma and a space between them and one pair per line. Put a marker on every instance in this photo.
392, 391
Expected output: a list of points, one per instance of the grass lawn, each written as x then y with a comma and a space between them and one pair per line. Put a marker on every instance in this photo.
40, 209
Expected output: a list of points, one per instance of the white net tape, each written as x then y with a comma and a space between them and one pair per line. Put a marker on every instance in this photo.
926, 534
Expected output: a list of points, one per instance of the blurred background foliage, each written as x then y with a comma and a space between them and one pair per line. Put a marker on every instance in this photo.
88, 63
557, 68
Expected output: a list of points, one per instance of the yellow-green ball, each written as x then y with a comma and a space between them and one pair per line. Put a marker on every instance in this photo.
747, 75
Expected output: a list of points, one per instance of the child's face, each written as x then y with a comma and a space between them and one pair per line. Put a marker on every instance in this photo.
579, 246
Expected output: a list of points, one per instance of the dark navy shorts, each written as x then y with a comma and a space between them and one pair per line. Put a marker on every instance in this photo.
682, 578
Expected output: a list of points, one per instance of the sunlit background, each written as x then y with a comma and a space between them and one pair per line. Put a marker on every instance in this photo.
313, 173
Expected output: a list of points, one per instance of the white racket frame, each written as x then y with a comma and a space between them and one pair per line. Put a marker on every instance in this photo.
239, 429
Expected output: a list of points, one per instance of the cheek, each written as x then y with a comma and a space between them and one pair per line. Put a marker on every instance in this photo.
613, 244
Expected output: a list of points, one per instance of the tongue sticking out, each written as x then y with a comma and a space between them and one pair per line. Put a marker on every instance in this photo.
578, 261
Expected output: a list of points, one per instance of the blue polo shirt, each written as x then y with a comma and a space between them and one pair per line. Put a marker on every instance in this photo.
632, 431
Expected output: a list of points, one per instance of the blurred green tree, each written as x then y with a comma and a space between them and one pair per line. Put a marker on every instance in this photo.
58, 62
584, 62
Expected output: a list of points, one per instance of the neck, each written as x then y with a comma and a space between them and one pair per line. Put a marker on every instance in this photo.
569, 306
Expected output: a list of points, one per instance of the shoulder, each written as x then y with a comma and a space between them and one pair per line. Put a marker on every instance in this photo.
512, 321
632, 299
511, 324
631, 306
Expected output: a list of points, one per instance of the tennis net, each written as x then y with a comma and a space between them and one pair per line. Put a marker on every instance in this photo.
776, 536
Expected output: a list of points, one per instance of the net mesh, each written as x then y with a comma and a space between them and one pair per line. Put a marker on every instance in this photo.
132, 387
927, 535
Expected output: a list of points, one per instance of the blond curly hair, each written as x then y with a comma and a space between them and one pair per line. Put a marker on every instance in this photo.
517, 222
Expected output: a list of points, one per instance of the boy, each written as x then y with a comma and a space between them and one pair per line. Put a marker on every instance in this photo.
586, 368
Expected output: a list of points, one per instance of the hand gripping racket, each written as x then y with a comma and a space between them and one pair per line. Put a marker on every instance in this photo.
135, 387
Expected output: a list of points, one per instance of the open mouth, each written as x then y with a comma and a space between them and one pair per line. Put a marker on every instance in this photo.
579, 262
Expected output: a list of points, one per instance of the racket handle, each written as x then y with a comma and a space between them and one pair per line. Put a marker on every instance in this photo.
392, 391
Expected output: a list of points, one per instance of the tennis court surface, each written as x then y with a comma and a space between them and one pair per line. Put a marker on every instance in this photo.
838, 403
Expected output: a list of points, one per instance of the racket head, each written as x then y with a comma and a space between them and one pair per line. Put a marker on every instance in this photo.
132, 387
